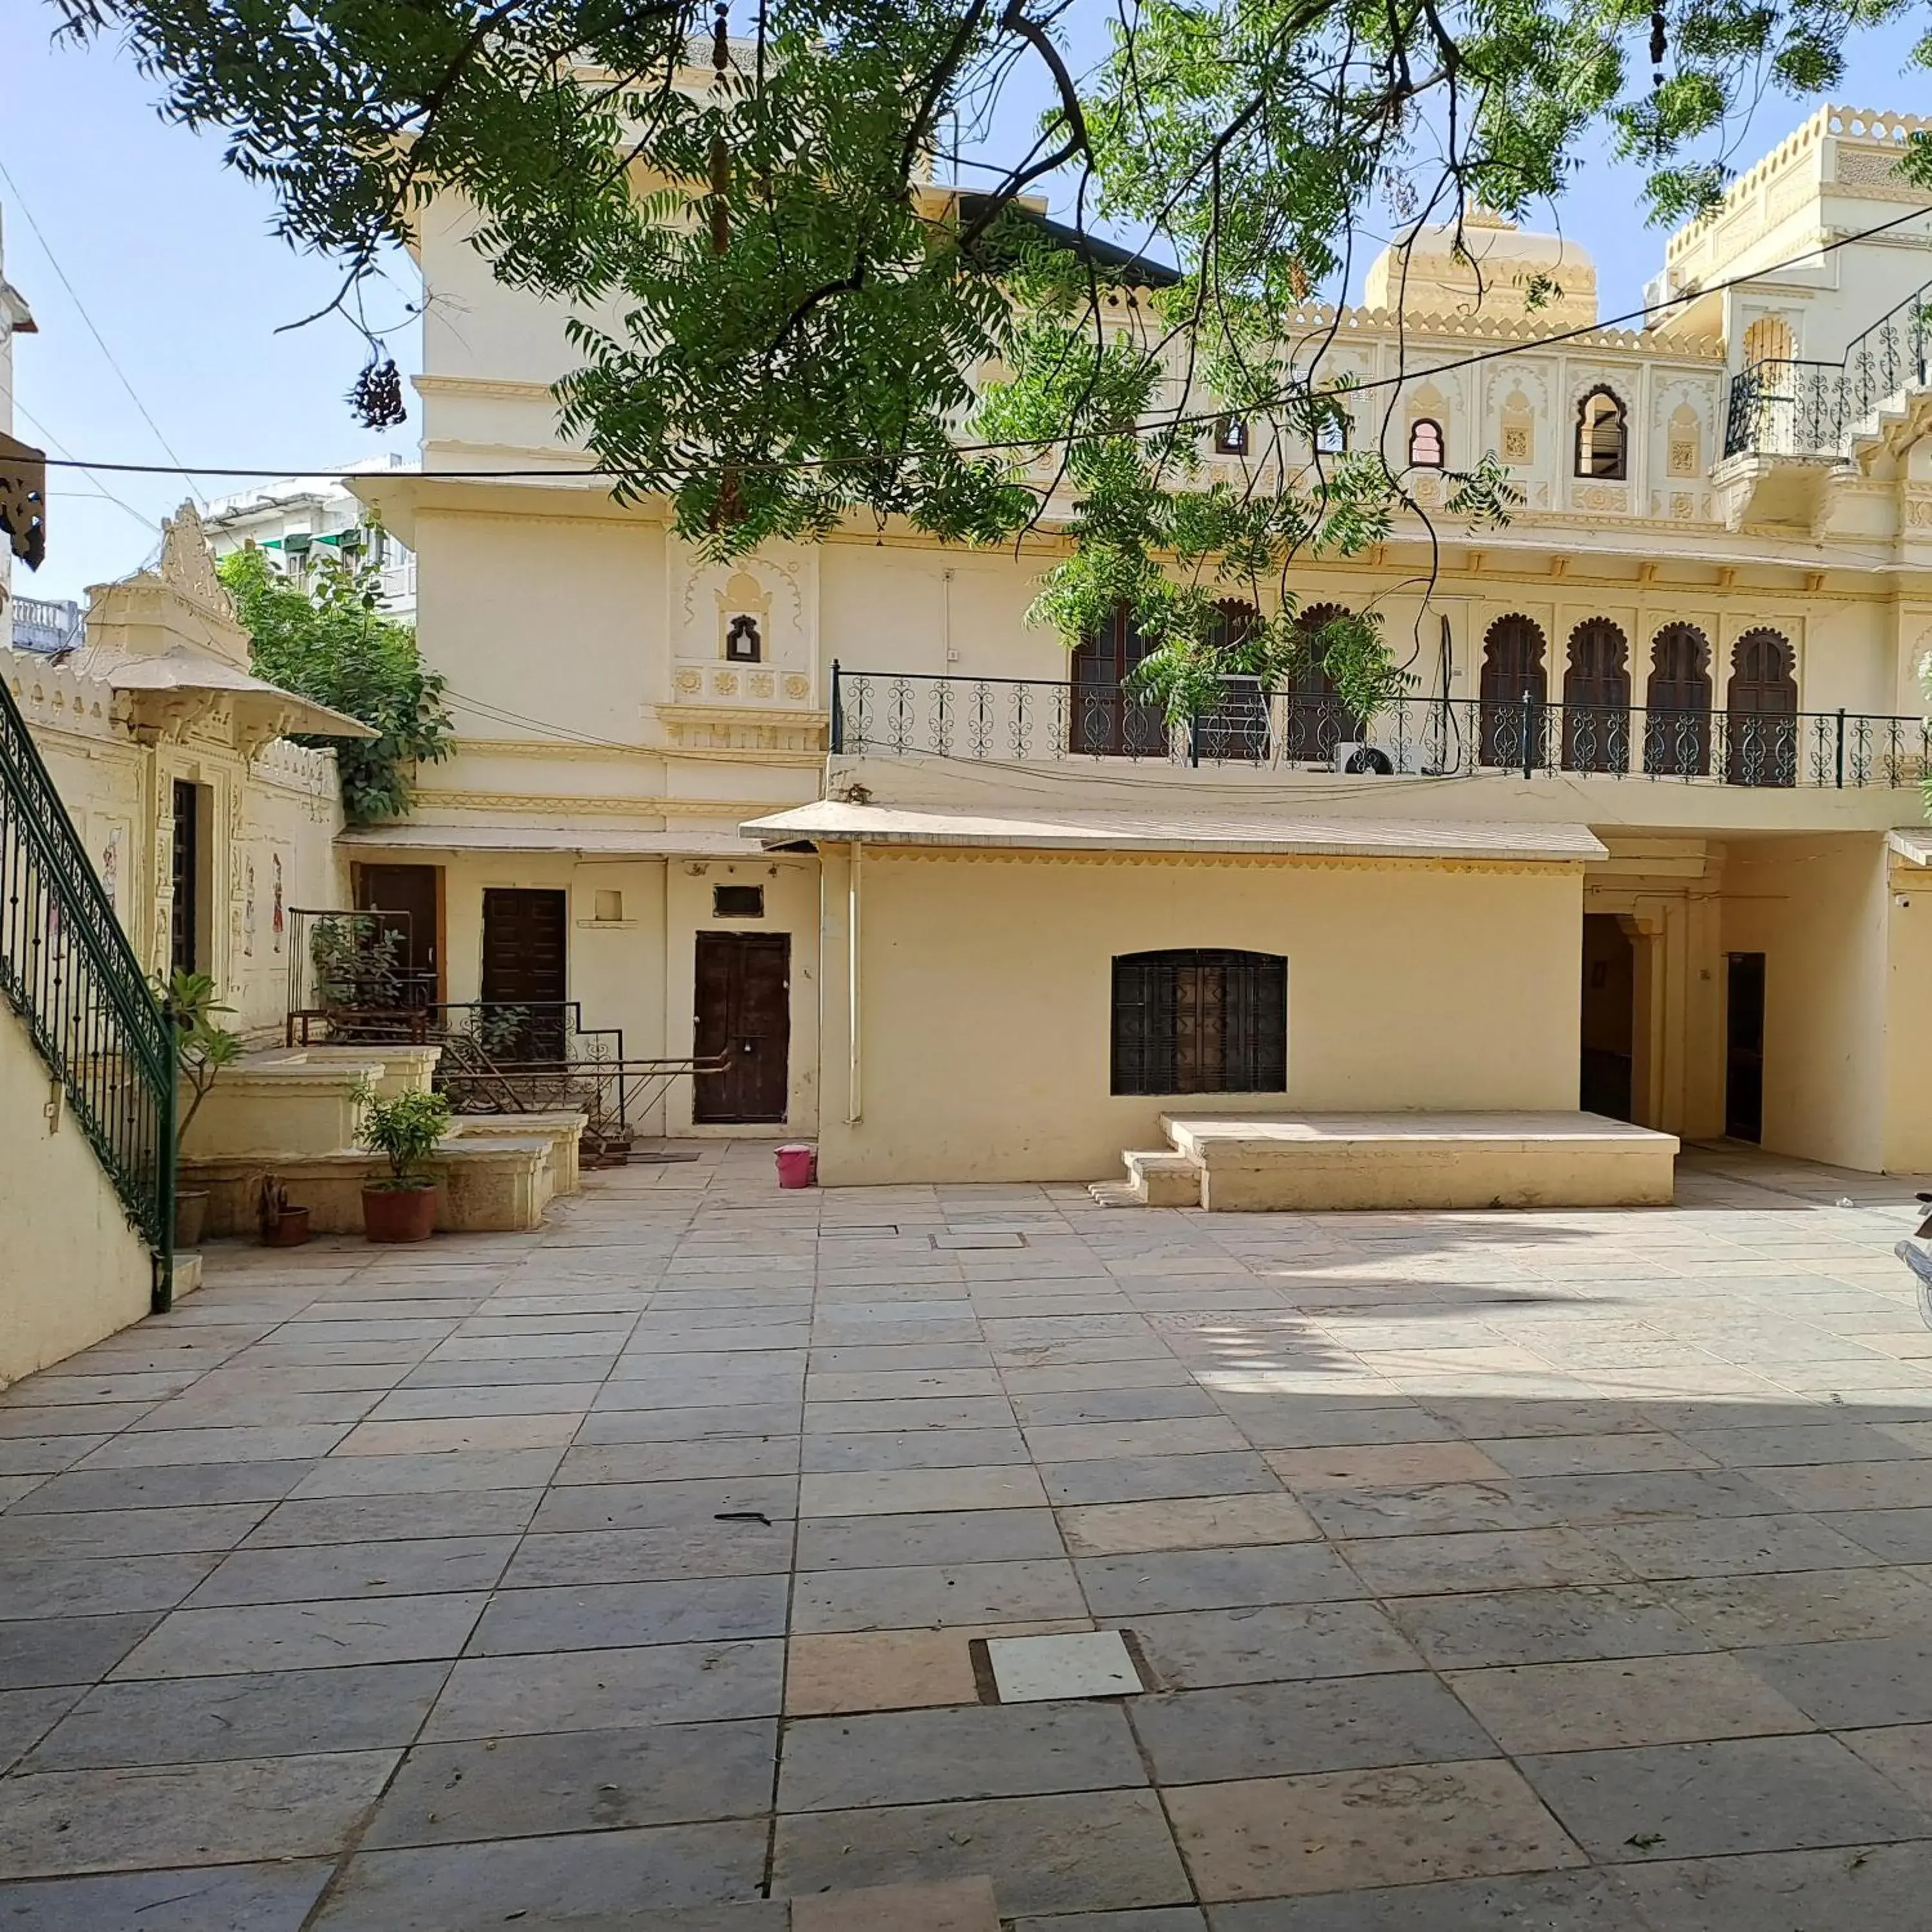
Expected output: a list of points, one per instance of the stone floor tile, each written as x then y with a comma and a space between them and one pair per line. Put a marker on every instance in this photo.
690, 1425
578, 1781
1062, 1408
1192, 1650
1190, 1522
427, 1566
878, 1670
1523, 1559
1806, 1605
39, 1652
1857, 1682
1086, 1851
1595, 1455
1734, 1546
892, 1492
1133, 1479
303, 1635
908, 1413
430, 1474
1346, 1831
1262, 1730
1383, 1465
666, 1504
391, 1519
1546, 1626
1047, 1378
913, 1449
1873, 1886
594, 1616
174, 1487
54, 1584
901, 1385
1111, 1441
1894, 1536
439, 1373
1045, 1666
727, 1459
1158, 1919
1422, 1509
275, 1714
459, 1434
955, 1752
27, 1716
1213, 1579
92, 1419
1636, 1700
1704, 1800
45, 1455
655, 1683
963, 1905
932, 1596
651, 1555
593, 1882
1563, 1901
146, 1449
1308, 1422
256, 1808
1792, 1442
1852, 1486
216, 1898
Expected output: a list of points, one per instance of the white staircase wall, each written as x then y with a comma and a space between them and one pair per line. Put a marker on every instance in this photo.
72, 1270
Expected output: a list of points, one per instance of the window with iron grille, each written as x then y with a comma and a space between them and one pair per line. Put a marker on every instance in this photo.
1200, 1022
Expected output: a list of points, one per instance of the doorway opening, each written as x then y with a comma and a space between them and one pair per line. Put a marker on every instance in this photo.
410, 899
743, 1011
1609, 1017
524, 981
190, 933
1743, 1046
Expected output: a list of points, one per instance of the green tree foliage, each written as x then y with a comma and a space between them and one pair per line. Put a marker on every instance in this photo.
331, 643
783, 325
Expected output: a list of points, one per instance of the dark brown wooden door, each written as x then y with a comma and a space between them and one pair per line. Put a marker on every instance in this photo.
1104, 721
1743, 1046
185, 918
1762, 727
1314, 720
410, 897
744, 1012
524, 966
1511, 728
1596, 699
1677, 724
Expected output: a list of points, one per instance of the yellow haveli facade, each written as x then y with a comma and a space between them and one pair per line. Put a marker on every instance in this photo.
1648, 835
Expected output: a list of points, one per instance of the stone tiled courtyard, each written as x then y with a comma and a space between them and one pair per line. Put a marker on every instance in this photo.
1569, 1571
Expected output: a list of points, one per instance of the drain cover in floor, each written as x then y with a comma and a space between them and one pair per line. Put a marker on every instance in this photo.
1080, 1663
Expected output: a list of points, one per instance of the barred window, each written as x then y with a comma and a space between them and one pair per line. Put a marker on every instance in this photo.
1200, 1022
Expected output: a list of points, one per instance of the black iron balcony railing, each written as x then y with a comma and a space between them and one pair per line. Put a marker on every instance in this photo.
67, 969
878, 714
1782, 407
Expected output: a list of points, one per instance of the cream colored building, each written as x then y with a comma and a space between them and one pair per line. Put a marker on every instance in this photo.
1646, 833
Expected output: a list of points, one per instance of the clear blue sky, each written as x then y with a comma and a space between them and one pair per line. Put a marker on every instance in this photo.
173, 256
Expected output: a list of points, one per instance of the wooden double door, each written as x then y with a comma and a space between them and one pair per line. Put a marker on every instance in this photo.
744, 1013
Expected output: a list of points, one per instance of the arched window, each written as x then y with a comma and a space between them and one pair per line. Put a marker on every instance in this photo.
1331, 429
1600, 437
1200, 1022
1102, 719
1768, 339
1425, 444
1237, 727
1230, 436
1677, 701
1515, 687
1761, 723
1314, 720
1596, 699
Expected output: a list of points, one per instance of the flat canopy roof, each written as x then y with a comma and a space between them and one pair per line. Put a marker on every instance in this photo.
1281, 832
568, 842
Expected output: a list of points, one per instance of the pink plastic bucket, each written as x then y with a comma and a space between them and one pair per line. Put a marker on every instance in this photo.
798, 1165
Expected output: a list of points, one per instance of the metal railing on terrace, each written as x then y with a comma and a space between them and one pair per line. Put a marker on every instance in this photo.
1782, 407
67, 969
877, 714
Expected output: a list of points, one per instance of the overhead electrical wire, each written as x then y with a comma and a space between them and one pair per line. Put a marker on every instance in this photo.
553, 472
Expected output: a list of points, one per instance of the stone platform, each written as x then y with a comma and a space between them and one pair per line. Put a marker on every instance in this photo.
1315, 1162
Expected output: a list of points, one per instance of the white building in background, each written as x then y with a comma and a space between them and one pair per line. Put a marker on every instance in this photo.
302, 518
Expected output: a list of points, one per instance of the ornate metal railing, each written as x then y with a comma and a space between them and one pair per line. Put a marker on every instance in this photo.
1782, 407
878, 714
67, 971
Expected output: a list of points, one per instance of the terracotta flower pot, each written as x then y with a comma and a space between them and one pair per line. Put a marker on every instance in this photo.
289, 1229
191, 1217
399, 1214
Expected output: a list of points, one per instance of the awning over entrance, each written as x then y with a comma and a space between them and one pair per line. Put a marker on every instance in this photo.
571, 841
1283, 833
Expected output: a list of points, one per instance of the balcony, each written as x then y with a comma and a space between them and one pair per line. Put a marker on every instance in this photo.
1003, 721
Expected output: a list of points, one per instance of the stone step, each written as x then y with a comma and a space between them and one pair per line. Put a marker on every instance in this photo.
1114, 1194
1160, 1177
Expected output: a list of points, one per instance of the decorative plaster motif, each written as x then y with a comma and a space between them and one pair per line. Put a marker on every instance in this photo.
797, 686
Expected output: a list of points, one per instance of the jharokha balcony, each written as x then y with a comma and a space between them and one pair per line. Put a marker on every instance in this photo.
890, 715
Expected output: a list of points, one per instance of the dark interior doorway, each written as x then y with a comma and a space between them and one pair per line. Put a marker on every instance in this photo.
187, 879
524, 971
744, 1012
411, 897
1743, 1046
1610, 1016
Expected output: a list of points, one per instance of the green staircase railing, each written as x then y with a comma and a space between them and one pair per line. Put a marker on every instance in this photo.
67, 969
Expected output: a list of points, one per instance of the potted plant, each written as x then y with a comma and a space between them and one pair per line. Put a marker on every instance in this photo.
284, 1224
202, 1050
405, 1130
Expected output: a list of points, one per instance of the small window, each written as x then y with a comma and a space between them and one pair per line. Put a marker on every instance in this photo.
1425, 444
609, 908
737, 901
742, 644
1599, 436
1331, 432
1230, 436
1200, 1022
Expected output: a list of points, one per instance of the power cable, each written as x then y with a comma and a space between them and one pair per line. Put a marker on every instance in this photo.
101, 341
554, 473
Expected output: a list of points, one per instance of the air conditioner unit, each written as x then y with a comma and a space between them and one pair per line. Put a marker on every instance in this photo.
1357, 758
